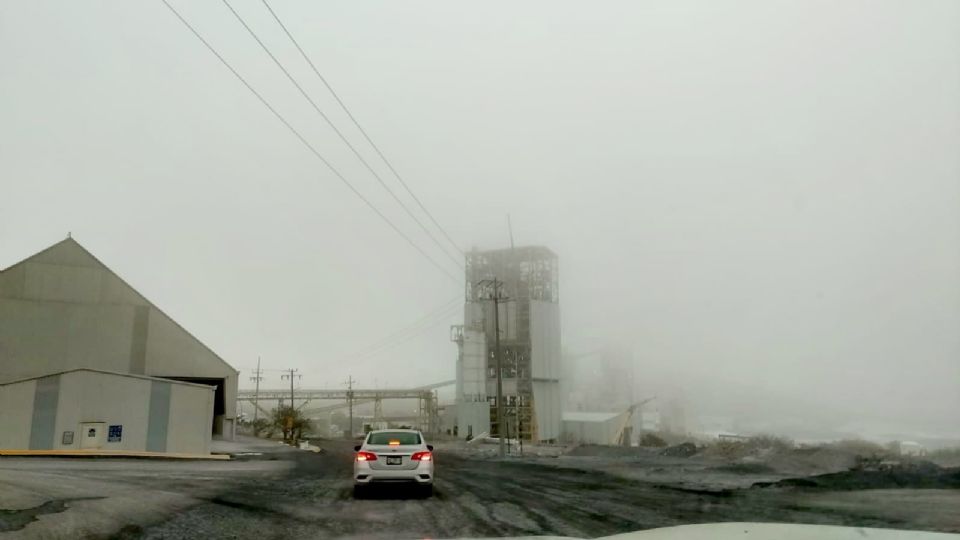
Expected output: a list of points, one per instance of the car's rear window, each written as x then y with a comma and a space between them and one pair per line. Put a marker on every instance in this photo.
394, 437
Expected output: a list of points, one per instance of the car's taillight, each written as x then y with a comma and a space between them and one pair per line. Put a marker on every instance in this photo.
366, 456
421, 456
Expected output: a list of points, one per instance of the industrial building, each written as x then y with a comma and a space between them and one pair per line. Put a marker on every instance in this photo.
596, 383
529, 331
78, 409
81, 350
606, 428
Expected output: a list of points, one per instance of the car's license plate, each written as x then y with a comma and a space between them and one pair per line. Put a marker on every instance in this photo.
394, 460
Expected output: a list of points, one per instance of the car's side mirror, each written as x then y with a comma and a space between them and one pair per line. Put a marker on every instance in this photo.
430, 447
356, 448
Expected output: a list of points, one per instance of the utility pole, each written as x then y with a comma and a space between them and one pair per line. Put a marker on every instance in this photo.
257, 377
349, 384
519, 427
496, 322
509, 449
501, 421
291, 373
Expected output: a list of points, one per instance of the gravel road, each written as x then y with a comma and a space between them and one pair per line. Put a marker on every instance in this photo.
482, 498
286, 493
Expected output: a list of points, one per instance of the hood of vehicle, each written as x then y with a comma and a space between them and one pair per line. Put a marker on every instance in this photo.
766, 531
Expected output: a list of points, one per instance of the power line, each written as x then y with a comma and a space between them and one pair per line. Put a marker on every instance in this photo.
339, 133
406, 335
401, 336
404, 341
306, 143
360, 128
398, 337
448, 306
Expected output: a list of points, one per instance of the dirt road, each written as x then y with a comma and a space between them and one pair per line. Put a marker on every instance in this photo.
487, 498
286, 493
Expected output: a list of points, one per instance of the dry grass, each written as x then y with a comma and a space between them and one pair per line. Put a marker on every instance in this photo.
752, 446
945, 457
859, 447
652, 440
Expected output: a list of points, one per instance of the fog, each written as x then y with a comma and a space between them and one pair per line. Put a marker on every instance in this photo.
759, 199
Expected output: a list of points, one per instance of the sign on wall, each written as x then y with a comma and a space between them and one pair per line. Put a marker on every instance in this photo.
114, 433
67, 438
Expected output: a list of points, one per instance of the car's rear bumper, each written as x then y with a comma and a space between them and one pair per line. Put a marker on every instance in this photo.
363, 475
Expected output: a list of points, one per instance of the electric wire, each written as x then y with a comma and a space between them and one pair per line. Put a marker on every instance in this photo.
339, 133
359, 127
306, 143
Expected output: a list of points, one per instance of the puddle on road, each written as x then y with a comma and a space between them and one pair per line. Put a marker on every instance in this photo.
14, 520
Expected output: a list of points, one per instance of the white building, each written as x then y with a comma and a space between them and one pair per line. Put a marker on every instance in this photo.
79, 409
67, 322
594, 427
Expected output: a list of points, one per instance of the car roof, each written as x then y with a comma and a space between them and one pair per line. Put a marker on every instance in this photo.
395, 431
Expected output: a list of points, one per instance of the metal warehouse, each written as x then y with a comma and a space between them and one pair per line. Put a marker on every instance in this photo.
79, 409
81, 350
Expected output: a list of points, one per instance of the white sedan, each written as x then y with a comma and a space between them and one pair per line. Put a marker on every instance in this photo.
393, 455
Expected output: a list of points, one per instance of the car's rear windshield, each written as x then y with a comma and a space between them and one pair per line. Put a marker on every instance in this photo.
394, 437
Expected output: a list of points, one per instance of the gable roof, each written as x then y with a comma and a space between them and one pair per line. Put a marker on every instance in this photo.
69, 252
68, 246
113, 373
579, 416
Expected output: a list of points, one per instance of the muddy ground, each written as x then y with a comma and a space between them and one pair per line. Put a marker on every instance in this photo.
284, 493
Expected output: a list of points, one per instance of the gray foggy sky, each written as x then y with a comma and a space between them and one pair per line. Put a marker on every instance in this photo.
760, 195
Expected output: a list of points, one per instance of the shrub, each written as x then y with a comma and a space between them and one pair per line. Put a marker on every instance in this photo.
945, 457
859, 447
728, 449
652, 439
757, 444
770, 442
259, 425
946, 453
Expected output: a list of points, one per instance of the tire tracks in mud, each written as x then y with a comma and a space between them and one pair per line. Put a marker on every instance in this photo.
555, 503
472, 498
475, 498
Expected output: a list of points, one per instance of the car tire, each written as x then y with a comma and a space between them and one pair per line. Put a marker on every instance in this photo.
359, 492
426, 491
